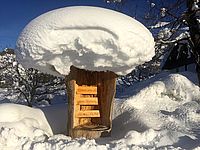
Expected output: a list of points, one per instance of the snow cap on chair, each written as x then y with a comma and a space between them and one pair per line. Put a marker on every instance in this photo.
87, 37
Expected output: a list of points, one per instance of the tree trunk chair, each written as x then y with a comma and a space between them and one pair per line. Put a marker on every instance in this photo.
90, 98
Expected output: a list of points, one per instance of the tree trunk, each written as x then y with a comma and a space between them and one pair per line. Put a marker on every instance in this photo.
90, 97
193, 14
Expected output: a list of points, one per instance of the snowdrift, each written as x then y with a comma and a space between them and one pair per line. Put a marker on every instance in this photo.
89, 38
161, 113
29, 122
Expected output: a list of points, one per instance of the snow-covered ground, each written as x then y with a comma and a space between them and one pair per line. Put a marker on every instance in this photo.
160, 113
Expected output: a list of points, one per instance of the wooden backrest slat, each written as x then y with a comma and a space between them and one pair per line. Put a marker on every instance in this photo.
88, 113
86, 100
86, 90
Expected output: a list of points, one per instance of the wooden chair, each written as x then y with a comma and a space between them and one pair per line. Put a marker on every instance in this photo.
90, 96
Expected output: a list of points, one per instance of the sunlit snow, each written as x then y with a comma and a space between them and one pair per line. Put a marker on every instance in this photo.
86, 37
161, 113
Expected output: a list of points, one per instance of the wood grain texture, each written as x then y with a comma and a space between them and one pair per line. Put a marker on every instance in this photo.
90, 96
87, 101
88, 113
86, 90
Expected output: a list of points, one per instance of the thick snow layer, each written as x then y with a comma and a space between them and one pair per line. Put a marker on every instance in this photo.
162, 113
26, 121
167, 103
87, 37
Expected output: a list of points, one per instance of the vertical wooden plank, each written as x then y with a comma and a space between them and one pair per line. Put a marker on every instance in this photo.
70, 86
75, 106
106, 94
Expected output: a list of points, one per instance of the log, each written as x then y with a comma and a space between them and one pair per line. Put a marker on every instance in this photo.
90, 96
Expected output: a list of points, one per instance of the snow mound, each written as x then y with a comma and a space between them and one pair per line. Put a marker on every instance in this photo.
26, 121
163, 112
87, 37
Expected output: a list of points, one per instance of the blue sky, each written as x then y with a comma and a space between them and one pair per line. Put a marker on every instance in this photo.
16, 14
